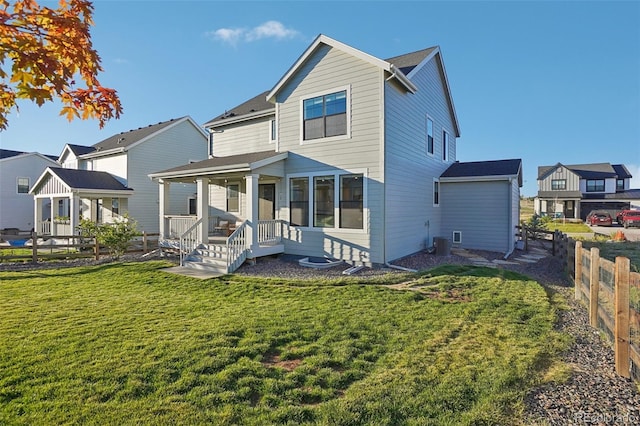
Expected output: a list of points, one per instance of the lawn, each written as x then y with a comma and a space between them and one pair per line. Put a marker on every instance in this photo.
610, 251
567, 227
130, 344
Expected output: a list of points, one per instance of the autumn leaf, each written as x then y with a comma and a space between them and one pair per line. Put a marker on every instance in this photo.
43, 52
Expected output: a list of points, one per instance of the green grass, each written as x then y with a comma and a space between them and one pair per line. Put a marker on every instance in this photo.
610, 250
130, 344
568, 227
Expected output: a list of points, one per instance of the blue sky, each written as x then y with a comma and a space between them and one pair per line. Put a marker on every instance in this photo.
543, 81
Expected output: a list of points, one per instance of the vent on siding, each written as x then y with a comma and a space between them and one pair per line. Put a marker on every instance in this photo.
457, 237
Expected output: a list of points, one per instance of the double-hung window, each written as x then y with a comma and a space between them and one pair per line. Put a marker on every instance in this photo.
595, 185
429, 140
436, 193
23, 185
445, 145
325, 116
323, 205
558, 184
233, 197
299, 201
351, 201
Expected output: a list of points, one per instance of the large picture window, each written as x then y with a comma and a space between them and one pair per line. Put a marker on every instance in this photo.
351, 201
323, 201
595, 185
299, 201
325, 116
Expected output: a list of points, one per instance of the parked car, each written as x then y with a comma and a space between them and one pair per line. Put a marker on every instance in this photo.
599, 218
630, 218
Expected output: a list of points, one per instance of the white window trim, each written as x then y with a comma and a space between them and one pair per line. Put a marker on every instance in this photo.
433, 195
189, 198
426, 135
18, 185
273, 124
453, 237
226, 197
445, 145
347, 89
336, 208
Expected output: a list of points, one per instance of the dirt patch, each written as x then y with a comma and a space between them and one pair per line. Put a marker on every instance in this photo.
273, 360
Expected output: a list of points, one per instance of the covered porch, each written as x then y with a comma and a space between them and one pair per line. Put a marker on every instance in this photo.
235, 206
63, 197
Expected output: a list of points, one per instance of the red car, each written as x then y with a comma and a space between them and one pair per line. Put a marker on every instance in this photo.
599, 218
630, 218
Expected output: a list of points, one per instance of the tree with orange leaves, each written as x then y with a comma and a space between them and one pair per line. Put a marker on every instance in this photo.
42, 53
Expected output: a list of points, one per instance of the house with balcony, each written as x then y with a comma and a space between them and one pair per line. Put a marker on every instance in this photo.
572, 191
103, 181
348, 157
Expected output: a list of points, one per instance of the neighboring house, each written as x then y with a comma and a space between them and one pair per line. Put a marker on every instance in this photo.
111, 177
342, 158
572, 191
18, 171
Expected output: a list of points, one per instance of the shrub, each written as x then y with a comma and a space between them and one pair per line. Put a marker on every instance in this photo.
115, 236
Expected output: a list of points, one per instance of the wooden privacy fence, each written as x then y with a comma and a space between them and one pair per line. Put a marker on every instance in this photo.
70, 246
611, 291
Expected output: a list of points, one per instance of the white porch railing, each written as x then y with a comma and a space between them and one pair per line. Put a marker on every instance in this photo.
269, 231
44, 228
189, 240
237, 247
178, 225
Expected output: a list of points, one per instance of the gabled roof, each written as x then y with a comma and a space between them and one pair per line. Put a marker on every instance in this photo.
621, 171
407, 62
585, 171
487, 170
8, 153
401, 68
232, 163
79, 150
75, 179
251, 108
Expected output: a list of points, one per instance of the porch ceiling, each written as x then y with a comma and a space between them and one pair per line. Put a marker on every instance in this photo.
239, 165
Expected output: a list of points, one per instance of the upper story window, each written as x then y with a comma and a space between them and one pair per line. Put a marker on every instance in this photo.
595, 185
23, 185
619, 184
558, 184
325, 116
445, 145
429, 135
273, 130
436, 193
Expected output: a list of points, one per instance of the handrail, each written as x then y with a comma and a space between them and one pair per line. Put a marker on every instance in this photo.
270, 231
237, 247
189, 239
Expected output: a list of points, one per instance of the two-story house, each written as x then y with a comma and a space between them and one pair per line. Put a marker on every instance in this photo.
103, 181
18, 172
572, 191
350, 157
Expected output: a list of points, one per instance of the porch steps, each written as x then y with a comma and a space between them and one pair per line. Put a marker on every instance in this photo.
210, 257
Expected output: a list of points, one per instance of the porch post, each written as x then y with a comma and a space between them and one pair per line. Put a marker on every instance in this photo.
74, 212
163, 205
202, 209
252, 210
54, 225
37, 215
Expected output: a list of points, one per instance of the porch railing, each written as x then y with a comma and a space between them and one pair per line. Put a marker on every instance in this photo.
270, 231
189, 240
237, 247
44, 228
178, 225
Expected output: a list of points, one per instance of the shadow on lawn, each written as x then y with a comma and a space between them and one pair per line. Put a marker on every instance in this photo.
474, 271
82, 270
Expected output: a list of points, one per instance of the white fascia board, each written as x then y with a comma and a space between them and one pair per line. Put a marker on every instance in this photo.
88, 192
202, 172
399, 75
323, 39
96, 154
477, 178
240, 118
28, 154
43, 176
270, 160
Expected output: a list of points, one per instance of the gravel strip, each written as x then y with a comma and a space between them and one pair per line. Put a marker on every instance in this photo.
594, 394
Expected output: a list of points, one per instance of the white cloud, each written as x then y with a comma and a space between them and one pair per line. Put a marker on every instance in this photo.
269, 29
273, 29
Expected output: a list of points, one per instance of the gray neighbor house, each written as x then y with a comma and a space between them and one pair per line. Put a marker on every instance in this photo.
349, 157
572, 191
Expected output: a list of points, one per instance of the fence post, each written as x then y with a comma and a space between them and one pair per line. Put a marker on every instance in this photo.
621, 308
97, 248
594, 286
554, 240
34, 246
144, 242
577, 279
